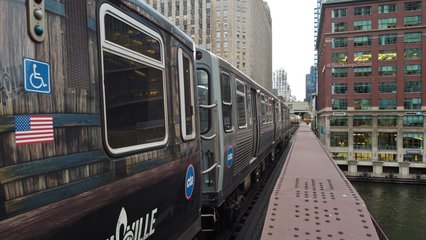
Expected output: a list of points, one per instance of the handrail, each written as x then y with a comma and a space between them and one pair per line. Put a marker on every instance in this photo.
208, 106
208, 138
210, 169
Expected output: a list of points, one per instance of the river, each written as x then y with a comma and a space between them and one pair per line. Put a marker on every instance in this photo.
399, 209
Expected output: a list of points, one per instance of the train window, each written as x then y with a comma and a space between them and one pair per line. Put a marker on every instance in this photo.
133, 83
241, 104
225, 81
203, 79
263, 108
186, 95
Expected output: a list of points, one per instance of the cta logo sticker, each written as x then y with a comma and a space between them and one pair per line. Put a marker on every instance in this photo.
229, 156
189, 181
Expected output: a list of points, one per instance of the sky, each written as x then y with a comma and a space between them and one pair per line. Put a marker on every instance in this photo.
293, 40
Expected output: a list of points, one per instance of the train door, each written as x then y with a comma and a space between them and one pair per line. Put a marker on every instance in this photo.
253, 93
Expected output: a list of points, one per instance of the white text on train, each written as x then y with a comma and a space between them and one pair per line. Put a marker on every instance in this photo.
141, 229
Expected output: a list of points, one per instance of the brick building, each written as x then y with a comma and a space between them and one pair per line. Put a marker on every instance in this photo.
371, 94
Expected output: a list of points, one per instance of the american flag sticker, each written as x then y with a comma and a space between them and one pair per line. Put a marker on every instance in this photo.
33, 129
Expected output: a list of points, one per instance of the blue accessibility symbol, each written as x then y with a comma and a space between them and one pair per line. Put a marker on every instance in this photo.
37, 76
189, 181
229, 156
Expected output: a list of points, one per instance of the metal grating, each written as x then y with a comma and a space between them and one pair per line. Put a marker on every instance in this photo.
76, 43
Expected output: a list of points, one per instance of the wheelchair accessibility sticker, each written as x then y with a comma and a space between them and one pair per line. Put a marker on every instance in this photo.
37, 76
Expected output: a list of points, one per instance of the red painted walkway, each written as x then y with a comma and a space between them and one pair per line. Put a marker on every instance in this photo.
312, 198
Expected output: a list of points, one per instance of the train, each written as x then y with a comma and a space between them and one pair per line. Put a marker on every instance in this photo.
114, 125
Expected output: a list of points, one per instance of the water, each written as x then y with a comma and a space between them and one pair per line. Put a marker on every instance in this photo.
399, 209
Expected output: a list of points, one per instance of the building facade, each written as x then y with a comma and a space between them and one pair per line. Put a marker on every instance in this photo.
311, 84
240, 31
372, 85
280, 83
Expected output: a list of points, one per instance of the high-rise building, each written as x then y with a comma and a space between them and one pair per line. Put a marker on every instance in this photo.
280, 83
240, 31
372, 85
311, 84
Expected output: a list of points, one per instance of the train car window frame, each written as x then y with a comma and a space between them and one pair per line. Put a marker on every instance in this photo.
263, 109
185, 84
136, 66
204, 100
226, 96
241, 111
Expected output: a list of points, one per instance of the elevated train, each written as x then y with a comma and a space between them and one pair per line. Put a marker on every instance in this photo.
110, 128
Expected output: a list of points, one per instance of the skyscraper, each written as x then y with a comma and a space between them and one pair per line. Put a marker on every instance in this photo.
280, 83
240, 31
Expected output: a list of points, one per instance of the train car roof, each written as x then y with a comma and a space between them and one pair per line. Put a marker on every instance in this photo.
258, 86
153, 15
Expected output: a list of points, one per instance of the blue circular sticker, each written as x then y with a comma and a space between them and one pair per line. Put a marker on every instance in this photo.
229, 156
189, 181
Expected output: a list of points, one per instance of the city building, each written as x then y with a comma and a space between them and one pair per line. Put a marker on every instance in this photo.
311, 84
371, 87
240, 31
280, 84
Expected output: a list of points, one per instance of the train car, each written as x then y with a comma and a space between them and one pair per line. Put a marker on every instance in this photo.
99, 134
242, 125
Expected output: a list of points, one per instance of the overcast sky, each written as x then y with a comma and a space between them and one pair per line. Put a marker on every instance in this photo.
293, 40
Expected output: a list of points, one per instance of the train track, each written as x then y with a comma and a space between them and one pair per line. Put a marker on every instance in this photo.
250, 220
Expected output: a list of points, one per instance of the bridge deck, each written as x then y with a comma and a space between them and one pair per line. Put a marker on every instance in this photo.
312, 199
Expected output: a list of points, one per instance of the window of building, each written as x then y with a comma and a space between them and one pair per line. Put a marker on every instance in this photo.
363, 87
411, 21
387, 121
387, 103
413, 103
340, 42
362, 25
387, 87
362, 140
225, 81
413, 6
362, 71
361, 41
340, 57
414, 37
126, 86
339, 88
339, 72
412, 140
387, 8
340, 155
387, 71
362, 121
387, 157
362, 56
387, 140
387, 39
338, 121
413, 70
241, 104
386, 23
339, 104
362, 156
387, 55
362, 104
338, 139
413, 121
413, 53
413, 86
362, 11
340, 27
338, 13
